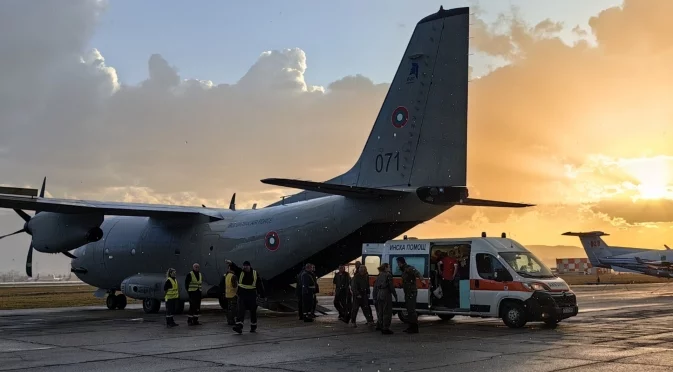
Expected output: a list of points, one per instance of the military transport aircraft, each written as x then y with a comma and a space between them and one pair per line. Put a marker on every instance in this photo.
412, 168
651, 262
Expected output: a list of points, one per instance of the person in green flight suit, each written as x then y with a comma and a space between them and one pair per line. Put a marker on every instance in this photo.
409, 276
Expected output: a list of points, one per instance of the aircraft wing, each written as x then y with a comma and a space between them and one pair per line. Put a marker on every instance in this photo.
72, 206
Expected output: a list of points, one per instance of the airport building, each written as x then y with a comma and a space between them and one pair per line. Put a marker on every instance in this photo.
578, 266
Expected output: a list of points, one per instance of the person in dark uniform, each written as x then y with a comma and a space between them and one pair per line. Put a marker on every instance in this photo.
193, 283
315, 291
230, 284
172, 296
361, 291
342, 286
249, 285
298, 292
409, 276
383, 294
308, 293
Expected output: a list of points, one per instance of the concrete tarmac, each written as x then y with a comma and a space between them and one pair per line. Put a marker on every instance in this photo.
619, 328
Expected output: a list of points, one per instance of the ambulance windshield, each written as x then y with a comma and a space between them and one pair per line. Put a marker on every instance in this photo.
527, 265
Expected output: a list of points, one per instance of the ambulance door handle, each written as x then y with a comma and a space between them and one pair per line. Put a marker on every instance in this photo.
476, 284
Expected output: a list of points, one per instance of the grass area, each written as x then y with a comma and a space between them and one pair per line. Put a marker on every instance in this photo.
50, 296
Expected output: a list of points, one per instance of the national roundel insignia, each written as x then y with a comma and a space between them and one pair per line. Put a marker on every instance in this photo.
272, 241
400, 117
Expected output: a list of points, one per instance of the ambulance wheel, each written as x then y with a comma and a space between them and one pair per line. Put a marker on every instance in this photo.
179, 307
111, 302
151, 306
121, 301
402, 316
445, 316
513, 314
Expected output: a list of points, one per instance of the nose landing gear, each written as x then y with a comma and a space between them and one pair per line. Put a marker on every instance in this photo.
115, 301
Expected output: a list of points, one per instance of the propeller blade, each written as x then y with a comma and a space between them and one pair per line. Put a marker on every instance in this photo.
22, 214
29, 262
69, 255
14, 233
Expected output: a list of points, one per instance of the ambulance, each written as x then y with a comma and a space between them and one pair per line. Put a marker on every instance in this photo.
495, 278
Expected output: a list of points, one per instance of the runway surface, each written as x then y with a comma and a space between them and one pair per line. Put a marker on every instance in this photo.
619, 328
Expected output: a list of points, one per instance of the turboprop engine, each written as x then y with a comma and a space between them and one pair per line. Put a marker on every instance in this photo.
58, 232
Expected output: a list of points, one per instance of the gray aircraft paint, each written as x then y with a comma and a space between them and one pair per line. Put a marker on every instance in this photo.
425, 146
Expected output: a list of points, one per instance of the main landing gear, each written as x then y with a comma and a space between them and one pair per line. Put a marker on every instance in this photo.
114, 301
152, 306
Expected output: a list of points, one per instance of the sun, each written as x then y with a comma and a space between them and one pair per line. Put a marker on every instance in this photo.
653, 178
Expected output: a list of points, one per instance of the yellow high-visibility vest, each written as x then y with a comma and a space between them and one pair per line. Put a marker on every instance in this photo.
195, 285
172, 293
230, 290
248, 286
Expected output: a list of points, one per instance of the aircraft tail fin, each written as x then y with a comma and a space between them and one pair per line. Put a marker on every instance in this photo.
594, 246
419, 137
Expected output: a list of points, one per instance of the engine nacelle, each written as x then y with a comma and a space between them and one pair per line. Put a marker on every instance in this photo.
60, 232
144, 286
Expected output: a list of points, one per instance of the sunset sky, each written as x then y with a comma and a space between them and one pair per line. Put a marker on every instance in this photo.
188, 102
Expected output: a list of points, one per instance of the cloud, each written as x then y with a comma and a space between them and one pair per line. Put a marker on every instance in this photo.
555, 125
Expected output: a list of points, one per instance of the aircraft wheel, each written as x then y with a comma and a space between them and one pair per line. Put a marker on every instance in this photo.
179, 307
151, 306
121, 301
445, 316
111, 302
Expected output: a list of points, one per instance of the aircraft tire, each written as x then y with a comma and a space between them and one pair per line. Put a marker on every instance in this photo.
151, 306
179, 307
121, 301
111, 302
445, 316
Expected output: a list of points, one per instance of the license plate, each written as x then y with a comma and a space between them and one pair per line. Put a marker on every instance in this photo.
568, 310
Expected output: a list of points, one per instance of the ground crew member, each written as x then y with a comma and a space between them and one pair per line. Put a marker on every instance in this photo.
230, 284
193, 283
357, 268
172, 296
383, 294
249, 285
360, 288
308, 285
316, 290
342, 286
298, 293
409, 275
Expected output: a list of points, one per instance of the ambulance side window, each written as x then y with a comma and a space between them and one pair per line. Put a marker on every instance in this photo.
419, 262
372, 264
487, 266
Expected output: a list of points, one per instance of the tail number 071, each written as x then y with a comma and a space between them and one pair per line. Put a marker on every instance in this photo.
388, 161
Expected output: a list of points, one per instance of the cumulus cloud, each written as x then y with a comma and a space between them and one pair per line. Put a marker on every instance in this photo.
553, 126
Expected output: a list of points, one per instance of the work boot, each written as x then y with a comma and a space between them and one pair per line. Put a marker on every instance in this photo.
190, 320
195, 321
238, 328
386, 332
253, 328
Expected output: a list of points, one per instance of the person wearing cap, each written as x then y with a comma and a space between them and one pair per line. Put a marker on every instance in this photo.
383, 294
230, 284
308, 286
172, 296
193, 283
409, 276
249, 285
342, 285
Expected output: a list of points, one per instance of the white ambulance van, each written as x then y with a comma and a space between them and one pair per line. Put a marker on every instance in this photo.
496, 278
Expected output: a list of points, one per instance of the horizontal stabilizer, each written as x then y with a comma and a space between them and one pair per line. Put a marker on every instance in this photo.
588, 233
493, 203
332, 189
18, 191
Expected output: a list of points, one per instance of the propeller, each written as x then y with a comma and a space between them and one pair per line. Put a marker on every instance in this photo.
26, 217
